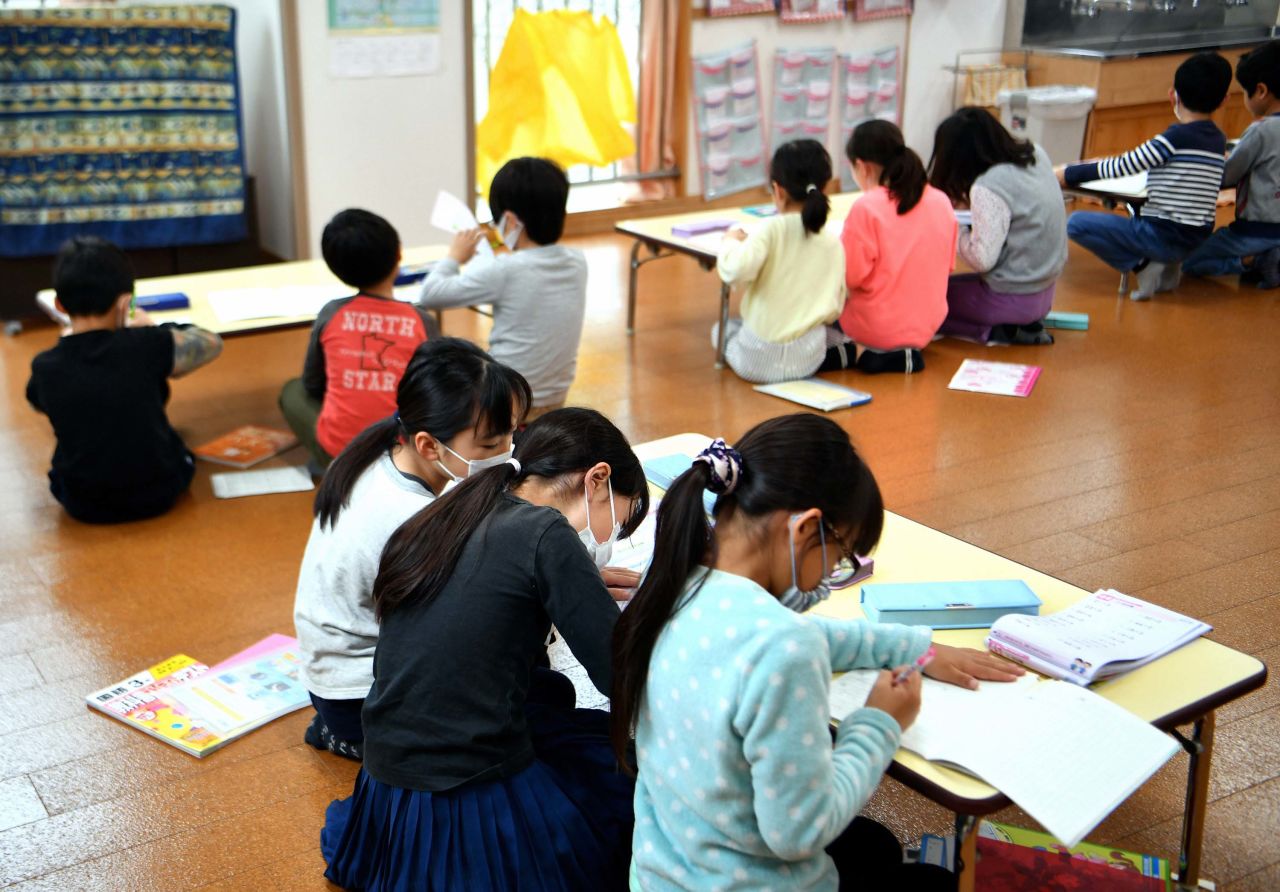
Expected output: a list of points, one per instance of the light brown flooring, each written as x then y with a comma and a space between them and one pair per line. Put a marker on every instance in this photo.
1147, 459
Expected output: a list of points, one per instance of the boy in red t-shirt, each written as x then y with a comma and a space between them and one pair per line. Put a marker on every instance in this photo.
360, 345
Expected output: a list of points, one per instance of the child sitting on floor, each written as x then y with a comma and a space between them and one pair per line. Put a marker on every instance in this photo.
104, 387
1184, 173
791, 270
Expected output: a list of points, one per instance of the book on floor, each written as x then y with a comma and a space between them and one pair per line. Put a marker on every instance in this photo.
1000, 378
246, 446
1109, 867
1098, 637
293, 478
1067, 756
199, 708
816, 394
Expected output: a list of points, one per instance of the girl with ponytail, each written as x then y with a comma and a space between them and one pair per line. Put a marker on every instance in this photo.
899, 248
725, 685
456, 409
468, 783
790, 271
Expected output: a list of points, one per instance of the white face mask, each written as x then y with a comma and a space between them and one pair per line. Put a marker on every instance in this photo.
793, 598
599, 552
474, 465
512, 235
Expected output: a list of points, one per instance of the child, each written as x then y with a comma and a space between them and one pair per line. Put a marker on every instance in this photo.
792, 272
725, 685
1253, 168
360, 344
538, 292
1017, 240
1184, 167
899, 249
456, 409
104, 387
466, 785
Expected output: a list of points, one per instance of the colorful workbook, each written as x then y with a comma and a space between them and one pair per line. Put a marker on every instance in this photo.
198, 708
245, 446
1001, 378
816, 394
1098, 637
1025, 854
1066, 755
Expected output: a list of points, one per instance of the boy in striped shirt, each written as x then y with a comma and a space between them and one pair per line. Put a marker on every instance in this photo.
1184, 172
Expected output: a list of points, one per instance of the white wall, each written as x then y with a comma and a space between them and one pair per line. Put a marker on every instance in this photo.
388, 144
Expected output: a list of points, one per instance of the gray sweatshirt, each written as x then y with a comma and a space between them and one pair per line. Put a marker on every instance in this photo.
1253, 167
1036, 249
539, 297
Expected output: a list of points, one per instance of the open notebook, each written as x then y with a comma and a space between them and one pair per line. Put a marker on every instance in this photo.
1064, 754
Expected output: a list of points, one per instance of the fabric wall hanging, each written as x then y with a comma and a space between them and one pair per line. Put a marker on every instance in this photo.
119, 122
729, 121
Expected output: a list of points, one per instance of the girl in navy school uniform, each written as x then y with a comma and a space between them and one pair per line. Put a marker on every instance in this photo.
456, 411
725, 684
466, 783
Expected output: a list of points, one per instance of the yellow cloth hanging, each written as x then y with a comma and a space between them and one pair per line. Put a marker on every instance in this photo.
560, 90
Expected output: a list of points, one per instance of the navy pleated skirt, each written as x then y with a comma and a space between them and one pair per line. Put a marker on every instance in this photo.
563, 823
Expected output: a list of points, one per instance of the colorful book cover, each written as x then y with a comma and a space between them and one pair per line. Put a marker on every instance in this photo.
199, 708
246, 446
1000, 378
1013, 858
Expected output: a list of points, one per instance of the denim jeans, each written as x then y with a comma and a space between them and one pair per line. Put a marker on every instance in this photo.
1124, 242
1223, 253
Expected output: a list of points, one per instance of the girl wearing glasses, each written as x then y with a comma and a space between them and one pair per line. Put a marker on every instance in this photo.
724, 684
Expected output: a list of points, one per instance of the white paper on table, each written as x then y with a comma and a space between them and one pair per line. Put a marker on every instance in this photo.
1134, 186
260, 483
451, 214
289, 301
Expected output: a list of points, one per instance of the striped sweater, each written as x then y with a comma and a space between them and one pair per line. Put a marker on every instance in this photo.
1184, 167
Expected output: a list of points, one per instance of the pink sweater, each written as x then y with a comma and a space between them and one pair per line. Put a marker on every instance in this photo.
896, 269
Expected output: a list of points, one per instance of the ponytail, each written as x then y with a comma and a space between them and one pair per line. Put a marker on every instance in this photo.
802, 168
449, 385
902, 171
421, 555
790, 463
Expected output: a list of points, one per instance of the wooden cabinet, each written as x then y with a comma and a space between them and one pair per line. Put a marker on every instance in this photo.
1133, 96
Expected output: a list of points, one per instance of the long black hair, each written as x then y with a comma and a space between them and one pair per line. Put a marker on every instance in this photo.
802, 168
791, 463
560, 447
967, 145
881, 142
449, 385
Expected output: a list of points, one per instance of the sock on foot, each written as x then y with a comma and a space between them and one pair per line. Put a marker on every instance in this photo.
319, 736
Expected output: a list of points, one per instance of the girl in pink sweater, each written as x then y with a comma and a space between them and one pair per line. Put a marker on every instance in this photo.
899, 246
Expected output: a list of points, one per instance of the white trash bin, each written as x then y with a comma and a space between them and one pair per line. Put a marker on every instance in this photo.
1053, 117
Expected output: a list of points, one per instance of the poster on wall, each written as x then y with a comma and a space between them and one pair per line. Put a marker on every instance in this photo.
867, 10
383, 38
797, 11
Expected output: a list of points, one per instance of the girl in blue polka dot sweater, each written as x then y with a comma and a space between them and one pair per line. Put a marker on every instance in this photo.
724, 683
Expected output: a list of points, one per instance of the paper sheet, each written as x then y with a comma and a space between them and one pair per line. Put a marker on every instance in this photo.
259, 483
451, 214
1134, 186
241, 304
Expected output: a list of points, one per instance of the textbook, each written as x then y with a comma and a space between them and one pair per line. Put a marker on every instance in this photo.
245, 446
1000, 378
948, 605
816, 393
199, 708
664, 470
293, 478
1098, 637
1112, 868
1007, 733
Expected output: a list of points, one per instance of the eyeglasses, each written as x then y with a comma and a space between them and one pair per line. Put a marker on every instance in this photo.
845, 569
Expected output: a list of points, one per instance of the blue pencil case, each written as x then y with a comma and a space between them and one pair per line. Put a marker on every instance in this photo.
948, 605
154, 303
410, 274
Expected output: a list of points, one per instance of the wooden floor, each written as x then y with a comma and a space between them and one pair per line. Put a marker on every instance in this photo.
1147, 459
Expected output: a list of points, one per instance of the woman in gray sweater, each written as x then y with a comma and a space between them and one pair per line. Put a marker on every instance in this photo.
1017, 241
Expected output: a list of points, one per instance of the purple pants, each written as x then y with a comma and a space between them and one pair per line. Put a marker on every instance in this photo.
973, 308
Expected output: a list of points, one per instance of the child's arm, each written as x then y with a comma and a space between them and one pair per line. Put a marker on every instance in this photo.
858, 644
192, 348
315, 377
1152, 153
449, 285
981, 245
429, 323
861, 251
1242, 158
740, 260
805, 792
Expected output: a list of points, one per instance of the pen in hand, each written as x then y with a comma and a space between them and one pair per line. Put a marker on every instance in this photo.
921, 661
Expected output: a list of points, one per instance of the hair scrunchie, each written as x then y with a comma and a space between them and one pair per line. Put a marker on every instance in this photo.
395, 416
515, 463
725, 464
810, 188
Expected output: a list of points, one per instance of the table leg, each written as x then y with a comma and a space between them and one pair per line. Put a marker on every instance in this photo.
1201, 749
631, 288
1124, 283
965, 854
724, 323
